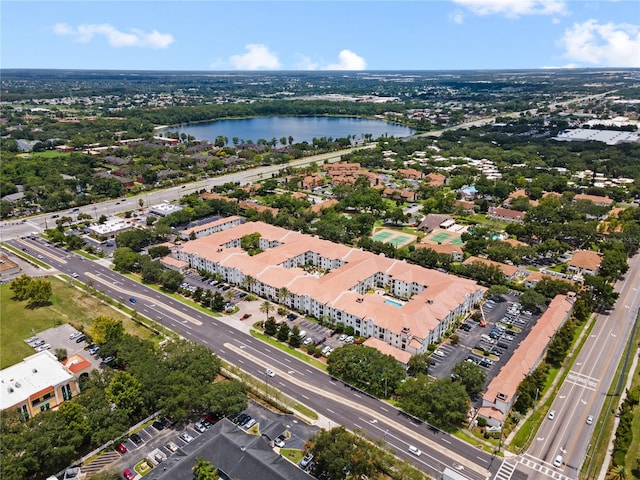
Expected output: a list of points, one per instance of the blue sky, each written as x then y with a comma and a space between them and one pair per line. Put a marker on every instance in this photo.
325, 35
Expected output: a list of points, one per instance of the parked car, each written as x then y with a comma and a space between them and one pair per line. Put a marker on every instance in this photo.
250, 423
135, 438
93, 350
186, 437
74, 335
81, 339
278, 442
171, 446
306, 460
121, 448
128, 474
158, 425
200, 427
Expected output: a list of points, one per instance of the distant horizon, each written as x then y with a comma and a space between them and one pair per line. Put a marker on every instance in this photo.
342, 72
313, 35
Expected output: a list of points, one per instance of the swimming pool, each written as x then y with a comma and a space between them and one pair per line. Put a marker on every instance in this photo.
392, 302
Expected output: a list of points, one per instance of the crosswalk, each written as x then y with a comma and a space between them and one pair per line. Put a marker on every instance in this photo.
508, 469
590, 383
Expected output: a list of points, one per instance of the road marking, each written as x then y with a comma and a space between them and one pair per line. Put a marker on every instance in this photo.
356, 395
304, 396
445, 440
385, 409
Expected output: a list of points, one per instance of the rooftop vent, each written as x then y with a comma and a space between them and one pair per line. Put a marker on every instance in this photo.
35, 370
501, 396
9, 389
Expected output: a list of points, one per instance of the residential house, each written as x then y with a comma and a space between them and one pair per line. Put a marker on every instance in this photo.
505, 215
585, 262
509, 271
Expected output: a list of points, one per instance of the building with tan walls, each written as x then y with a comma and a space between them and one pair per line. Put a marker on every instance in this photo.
404, 305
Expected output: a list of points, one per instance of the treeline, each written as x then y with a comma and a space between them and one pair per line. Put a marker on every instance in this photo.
180, 380
261, 108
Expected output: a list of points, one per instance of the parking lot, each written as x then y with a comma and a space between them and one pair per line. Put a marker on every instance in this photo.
171, 440
490, 346
68, 338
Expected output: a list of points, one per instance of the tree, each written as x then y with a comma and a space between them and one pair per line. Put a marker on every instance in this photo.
171, 280
418, 363
532, 300
283, 332
366, 368
340, 454
39, 292
471, 376
106, 329
226, 397
270, 326
124, 391
265, 307
295, 340
20, 287
204, 470
124, 259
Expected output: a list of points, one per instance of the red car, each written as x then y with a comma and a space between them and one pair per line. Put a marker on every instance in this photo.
129, 475
121, 448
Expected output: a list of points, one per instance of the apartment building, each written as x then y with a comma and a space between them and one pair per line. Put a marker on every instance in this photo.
404, 305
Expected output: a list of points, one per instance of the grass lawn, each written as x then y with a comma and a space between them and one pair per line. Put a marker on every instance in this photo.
292, 455
68, 305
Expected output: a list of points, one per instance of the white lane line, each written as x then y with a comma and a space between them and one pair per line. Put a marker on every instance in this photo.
356, 395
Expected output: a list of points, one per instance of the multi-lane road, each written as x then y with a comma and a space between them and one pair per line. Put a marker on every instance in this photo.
295, 378
584, 392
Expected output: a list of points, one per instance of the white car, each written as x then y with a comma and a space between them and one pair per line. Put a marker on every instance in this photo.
415, 450
589, 419
552, 414
278, 442
74, 335
343, 337
308, 341
186, 437
439, 353
200, 427
171, 446
75, 275
269, 373
42, 347
558, 461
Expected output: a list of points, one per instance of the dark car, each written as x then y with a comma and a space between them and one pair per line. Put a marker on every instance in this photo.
158, 425
245, 420
80, 339
135, 438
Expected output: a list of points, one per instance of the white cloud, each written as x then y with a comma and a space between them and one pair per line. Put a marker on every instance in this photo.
457, 17
515, 8
605, 45
306, 63
347, 60
257, 57
135, 38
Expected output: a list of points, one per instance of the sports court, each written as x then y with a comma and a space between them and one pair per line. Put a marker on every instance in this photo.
397, 239
444, 237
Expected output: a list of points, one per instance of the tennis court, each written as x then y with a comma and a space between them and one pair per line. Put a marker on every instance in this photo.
444, 237
382, 236
397, 239
440, 237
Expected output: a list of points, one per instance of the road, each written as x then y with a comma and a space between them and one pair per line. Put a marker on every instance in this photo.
38, 223
305, 384
584, 391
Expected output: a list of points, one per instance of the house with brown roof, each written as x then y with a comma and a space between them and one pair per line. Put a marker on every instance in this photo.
432, 221
406, 195
585, 262
436, 179
174, 264
211, 227
454, 251
410, 173
8, 267
505, 215
411, 308
595, 199
318, 207
340, 168
501, 392
465, 205
509, 271
402, 356
312, 181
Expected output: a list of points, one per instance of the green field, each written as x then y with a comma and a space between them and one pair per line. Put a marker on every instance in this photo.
68, 305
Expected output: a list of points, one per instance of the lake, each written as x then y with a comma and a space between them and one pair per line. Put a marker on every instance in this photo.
300, 128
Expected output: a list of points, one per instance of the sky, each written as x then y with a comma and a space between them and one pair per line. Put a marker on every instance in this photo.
238, 35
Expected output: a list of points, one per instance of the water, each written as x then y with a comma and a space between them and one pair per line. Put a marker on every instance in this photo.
300, 128
392, 302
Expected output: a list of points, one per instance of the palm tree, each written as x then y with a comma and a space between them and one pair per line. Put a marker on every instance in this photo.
248, 283
204, 470
617, 473
265, 308
283, 295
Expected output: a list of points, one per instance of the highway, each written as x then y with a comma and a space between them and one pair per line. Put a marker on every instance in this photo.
305, 384
584, 391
